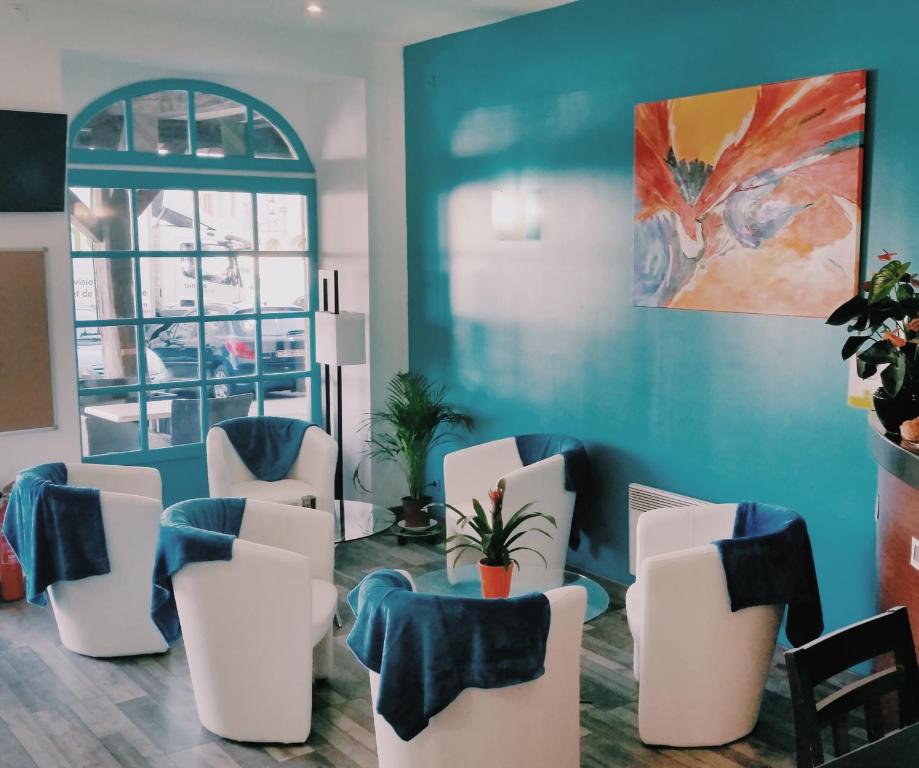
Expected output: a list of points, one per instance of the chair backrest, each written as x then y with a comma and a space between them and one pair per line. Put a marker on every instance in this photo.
671, 529
535, 723
812, 664
186, 415
104, 436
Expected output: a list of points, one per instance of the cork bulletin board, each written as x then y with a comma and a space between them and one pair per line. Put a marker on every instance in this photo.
26, 397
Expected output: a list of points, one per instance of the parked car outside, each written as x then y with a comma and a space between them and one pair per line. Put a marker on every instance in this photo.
230, 349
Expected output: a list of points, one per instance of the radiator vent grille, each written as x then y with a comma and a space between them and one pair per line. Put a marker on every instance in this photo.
644, 497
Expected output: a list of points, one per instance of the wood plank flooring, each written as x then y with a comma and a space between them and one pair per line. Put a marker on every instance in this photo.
62, 710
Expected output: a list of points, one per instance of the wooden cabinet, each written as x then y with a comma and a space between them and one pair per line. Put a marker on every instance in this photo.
897, 525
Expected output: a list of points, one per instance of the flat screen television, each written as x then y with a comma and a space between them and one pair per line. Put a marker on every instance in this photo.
33, 150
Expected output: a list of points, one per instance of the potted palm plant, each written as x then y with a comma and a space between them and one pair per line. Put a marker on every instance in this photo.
496, 540
415, 417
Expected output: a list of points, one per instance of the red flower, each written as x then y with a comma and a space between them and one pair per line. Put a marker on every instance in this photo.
866, 286
894, 338
914, 324
886, 255
497, 496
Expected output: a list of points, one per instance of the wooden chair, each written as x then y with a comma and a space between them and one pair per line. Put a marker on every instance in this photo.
811, 664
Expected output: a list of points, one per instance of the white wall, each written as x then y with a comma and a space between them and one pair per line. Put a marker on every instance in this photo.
342, 96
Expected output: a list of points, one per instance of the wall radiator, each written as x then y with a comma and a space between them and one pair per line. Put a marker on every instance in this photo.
644, 497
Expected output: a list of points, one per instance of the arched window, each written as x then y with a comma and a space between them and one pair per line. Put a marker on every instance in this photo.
193, 237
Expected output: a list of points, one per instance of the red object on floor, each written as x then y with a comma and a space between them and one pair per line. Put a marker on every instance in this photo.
11, 584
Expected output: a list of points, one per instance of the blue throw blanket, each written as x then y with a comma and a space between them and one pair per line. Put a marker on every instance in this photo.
427, 649
768, 561
533, 448
268, 445
198, 530
55, 530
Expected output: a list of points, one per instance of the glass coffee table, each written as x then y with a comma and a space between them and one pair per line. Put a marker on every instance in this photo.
468, 584
360, 519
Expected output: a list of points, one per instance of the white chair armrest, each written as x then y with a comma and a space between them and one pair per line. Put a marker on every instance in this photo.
224, 467
137, 481
316, 464
308, 532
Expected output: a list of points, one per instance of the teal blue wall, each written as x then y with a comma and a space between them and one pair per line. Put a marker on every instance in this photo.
543, 336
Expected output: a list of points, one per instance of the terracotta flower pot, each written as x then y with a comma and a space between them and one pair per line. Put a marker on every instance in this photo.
496, 579
413, 511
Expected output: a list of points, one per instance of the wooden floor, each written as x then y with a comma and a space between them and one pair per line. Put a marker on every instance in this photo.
59, 709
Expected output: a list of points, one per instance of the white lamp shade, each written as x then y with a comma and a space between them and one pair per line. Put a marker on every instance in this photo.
340, 338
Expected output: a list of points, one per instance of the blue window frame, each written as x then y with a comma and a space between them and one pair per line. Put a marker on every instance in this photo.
194, 245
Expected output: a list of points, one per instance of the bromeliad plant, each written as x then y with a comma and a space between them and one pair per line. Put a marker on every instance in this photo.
884, 322
496, 540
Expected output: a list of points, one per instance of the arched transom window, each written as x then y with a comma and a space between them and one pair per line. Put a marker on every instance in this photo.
193, 237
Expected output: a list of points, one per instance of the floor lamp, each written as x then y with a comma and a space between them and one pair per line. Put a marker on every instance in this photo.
339, 342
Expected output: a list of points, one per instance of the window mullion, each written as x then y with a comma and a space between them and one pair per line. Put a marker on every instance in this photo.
140, 338
260, 389
199, 287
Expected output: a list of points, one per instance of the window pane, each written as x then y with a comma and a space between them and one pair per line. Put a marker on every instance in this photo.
173, 417
269, 141
107, 357
285, 345
293, 401
105, 130
100, 219
161, 122
226, 221
103, 289
172, 351
221, 126
229, 284
281, 222
283, 283
168, 286
230, 351
165, 220
109, 424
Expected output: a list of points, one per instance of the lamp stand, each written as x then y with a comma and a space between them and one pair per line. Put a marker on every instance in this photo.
328, 302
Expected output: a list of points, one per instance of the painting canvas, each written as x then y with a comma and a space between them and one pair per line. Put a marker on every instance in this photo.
748, 200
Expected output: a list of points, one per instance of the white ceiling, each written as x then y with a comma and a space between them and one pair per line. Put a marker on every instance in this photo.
403, 21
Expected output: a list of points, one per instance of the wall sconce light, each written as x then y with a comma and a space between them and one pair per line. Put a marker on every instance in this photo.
516, 215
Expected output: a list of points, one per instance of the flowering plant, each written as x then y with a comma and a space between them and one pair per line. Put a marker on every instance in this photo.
885, 313
494, 538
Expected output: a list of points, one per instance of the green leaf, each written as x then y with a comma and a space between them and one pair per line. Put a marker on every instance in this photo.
865, 370
854, 307
529, 549
852, 345
879, 353
885, 279
904, 290
893, 375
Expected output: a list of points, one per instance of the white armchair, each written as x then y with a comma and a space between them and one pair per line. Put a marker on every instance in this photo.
520, 726
701, 668
312, 474
109, 615
470, 473
258, 628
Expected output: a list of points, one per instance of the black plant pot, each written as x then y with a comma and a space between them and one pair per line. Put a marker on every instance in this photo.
893, 411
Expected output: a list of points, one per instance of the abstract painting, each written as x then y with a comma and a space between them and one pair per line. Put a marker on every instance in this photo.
749, 200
